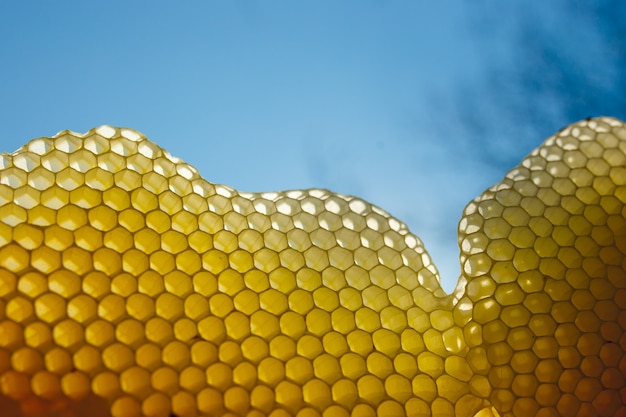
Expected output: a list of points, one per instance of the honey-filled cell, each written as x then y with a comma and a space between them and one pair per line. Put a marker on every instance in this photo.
131, 286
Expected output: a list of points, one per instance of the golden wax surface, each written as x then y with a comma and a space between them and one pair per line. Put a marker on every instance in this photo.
131, 286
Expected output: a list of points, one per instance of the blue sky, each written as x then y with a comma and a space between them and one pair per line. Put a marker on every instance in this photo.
380, 99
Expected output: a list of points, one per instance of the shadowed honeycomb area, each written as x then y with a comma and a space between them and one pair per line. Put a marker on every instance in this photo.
131, 286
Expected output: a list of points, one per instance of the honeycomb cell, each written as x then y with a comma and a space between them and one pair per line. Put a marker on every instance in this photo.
126, 278
75, 385
164, 379
27, 360
160, 331
89, 360
130, 332
135, 381
117, 357
299, 369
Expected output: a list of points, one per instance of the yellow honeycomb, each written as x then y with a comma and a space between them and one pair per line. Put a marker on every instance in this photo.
131, 286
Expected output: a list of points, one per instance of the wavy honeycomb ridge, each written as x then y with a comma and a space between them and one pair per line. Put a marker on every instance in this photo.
131, 286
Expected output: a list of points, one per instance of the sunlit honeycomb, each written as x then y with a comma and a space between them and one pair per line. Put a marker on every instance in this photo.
130, 286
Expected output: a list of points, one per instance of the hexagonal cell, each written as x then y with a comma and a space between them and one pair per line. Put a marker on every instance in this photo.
225, 241
68, 143
382, 276
107, 261
480, 264
55, 161
170, 203
354, 222
267, 260
269, 370
123, 146
353, 365
389, 258
99, 179
144, 200
158, 221
112, 308
67, 334
264, 324
305, 221
371, 239
118, 239
19, 309
26, 161
164, 167
588, 149
275, 240
68, 217
215, 261
521, 237
292, 259
124, 285
111, 162
326, 367
333, 279
300, 301
26, 197
177, 355
345, 393
162, 262
69, 179
195, 204
184, 222
255, 350
299, 240
64, 283
294, 325
237, 325
180, 185
27, 360
367, 319
147, 241
14, 258
140, 306
524, 362
127, 179
37, 216
131, 219
84, 197
299, 369
598, 167
525, 259
219, 204
82, 309
27, 236
82, 160
160, 331
365, 258
264, 205
330, 221
154, 183
241, 261
273, 301
97, 144
400, 297
172, 241
41, 179
50, 307
188, 262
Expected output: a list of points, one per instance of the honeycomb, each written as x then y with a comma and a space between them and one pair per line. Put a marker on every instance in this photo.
131, 286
